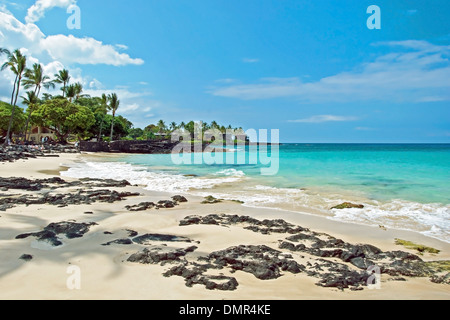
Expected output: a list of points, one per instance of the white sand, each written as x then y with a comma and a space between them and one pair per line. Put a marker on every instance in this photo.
105, 273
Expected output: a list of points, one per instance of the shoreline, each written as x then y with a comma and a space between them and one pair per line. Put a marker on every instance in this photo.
105, 267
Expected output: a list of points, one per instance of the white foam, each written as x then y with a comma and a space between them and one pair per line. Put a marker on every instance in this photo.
430, 219
152, 180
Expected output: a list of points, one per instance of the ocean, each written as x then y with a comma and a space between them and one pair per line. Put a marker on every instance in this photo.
402, 186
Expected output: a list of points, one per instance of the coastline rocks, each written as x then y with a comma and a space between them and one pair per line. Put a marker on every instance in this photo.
69, 229
179, 198
160, 255
144, 206
147, 238
348, 205
211, 200
195, 276
56, 182
265, 226
17, 152
261, 261
118, 241
26, 257
63, 200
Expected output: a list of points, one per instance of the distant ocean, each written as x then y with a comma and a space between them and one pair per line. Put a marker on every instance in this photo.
403, 186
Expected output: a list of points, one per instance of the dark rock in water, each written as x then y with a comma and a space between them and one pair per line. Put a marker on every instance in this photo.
211, 200
348, 205
118, 241
26, 257
179, 198
88, 212
107, 232
147, 238
70, 229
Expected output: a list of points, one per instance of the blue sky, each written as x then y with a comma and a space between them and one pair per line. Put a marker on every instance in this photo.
309, 68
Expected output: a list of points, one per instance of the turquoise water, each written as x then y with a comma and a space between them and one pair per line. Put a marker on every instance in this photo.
405, 186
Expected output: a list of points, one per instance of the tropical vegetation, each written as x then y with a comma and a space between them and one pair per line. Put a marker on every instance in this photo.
73, 114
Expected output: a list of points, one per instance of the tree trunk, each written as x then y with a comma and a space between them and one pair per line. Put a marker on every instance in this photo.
8, 134
112, 128
101, 128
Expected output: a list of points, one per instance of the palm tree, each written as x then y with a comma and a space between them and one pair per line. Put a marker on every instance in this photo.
31, 100
78, 90
103, 109
182, 125
214, 125
35, 78
114, 103
62, 77
162, 126
71, 92
46, 96
173, 126
17, 63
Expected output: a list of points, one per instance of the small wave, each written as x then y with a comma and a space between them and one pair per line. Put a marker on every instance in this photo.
152, 180
230, 172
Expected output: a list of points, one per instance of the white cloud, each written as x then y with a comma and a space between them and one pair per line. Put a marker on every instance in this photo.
325, 118
418, 71
130, 107
66, 49
70, 49
250, 60
38, 9
121, 46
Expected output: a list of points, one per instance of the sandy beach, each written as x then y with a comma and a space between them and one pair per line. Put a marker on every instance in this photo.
105, 271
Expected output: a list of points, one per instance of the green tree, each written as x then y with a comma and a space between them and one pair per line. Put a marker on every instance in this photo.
62, 77
5, 116
114, 103
17, 63
162, 126
63, 117
190, 127
135, 133
35, 78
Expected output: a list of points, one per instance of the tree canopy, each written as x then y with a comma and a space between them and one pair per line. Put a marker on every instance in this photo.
5, 115
64, 118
